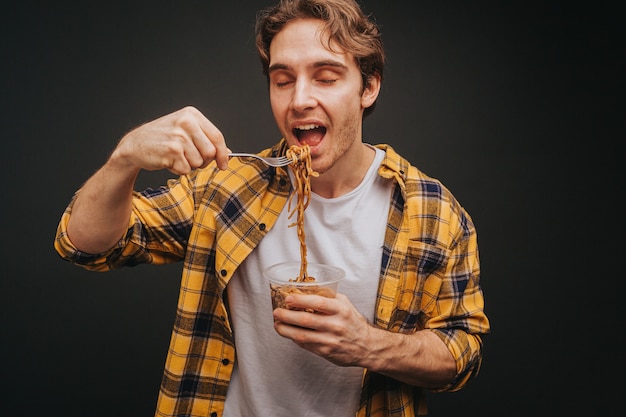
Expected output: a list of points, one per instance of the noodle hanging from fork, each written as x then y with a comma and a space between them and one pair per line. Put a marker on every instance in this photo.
301, 167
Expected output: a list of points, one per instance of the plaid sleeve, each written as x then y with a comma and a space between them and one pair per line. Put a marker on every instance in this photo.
452, 299
157, 233
458, 316
431, 268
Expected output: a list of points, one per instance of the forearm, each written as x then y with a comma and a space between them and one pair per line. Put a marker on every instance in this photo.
420, 359
101, 211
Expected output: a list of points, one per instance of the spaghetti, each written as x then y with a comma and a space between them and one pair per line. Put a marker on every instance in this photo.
301, 167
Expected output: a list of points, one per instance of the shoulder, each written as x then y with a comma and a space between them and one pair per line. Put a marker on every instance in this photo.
410, 178
420, 191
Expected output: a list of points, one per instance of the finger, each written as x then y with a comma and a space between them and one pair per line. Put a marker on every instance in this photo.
216, 146
180, 166
208, 140
198, 149
196, 146
296, 327
317, 303
202, 141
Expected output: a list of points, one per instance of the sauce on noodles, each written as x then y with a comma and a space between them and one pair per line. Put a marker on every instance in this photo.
301, 167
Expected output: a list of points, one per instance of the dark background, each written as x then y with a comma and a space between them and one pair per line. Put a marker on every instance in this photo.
516, 106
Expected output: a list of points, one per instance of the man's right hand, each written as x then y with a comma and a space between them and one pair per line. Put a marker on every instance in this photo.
180, 141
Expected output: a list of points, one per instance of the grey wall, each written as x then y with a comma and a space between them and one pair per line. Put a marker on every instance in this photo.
514, 106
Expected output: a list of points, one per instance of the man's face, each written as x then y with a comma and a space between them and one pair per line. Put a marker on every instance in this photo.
316, 94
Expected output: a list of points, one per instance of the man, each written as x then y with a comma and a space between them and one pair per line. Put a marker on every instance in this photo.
409, 315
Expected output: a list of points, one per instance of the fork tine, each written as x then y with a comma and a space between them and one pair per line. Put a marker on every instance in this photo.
278, 162
283, 160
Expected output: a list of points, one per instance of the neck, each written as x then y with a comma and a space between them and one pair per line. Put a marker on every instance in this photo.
346, 174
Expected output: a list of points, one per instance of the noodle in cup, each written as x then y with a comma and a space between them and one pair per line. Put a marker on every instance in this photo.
282, 279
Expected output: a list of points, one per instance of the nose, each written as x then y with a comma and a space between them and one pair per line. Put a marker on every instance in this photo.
302, 98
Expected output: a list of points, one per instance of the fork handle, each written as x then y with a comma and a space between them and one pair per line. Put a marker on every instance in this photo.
242, 154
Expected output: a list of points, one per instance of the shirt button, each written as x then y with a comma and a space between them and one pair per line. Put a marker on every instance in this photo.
262, 226
224, 272
214, 414
282, 181
225, 361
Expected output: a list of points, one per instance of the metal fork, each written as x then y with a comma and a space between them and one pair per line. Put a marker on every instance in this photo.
271, 161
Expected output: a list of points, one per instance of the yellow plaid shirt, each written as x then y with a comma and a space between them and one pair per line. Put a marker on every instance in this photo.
211, 220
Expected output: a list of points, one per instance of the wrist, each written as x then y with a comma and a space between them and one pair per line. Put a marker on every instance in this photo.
121, 163
377, 345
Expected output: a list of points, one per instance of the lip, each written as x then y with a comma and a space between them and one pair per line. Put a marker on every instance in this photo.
308, 123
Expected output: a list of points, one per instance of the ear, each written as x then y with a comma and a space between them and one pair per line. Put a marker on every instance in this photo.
370, 93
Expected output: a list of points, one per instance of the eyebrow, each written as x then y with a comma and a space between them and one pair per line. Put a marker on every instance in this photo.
318, 64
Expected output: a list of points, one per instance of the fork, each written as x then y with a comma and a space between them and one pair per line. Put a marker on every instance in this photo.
271, 161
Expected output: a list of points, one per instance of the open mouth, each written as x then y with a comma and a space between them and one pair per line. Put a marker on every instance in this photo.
309, 134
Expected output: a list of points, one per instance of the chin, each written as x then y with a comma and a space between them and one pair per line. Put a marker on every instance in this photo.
320, 165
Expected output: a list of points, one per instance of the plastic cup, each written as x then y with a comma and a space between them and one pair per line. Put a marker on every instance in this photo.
282, 279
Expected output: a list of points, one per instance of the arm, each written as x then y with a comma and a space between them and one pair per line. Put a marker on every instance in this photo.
343, 336
180, 141
419, 359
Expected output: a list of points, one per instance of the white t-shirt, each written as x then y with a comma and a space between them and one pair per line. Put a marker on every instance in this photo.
272, 375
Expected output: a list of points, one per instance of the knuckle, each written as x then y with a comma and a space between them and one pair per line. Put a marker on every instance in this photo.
185, 121
189, 110
300, 338
308, 321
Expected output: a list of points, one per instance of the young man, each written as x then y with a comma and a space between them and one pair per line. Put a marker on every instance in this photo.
409, 315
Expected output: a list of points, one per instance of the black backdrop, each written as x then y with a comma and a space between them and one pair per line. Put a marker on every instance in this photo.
514, 105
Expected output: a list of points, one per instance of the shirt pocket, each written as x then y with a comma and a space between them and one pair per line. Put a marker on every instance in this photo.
422, 278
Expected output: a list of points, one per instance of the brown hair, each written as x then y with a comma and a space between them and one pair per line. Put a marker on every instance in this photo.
345, 23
